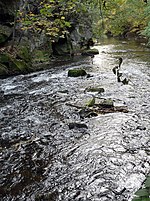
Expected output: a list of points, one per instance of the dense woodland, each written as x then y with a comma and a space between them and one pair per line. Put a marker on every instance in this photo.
114, 18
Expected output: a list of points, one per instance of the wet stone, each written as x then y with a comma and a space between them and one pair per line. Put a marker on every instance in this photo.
77, 125
95, 89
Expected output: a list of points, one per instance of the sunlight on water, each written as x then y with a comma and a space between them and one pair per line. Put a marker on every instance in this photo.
48, 152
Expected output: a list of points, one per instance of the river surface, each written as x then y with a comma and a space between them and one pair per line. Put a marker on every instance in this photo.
106, 158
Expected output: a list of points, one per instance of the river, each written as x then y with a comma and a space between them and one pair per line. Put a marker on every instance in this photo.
106, 158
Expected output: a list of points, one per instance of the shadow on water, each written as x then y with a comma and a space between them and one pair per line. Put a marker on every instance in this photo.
50, 153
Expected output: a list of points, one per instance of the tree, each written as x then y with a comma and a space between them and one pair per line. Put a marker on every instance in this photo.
146, 32
118, 16
57, 17
53, 17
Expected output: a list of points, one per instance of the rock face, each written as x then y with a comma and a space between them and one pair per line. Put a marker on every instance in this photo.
19, 59
7, 13
81, 37
14, 58
10, 65
79, 40
7, 10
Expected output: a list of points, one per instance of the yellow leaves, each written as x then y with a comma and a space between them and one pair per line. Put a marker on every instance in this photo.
20, 13
31, 14
47, 6
24, 28
52, 29
51, 17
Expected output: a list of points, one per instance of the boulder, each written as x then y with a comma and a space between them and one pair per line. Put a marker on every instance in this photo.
74, 125
95, 89
12, 66
76, 72
107, 103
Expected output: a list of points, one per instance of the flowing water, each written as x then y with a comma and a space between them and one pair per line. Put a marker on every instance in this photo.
106, 158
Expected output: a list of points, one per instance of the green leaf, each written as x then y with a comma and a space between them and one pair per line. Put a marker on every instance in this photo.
142, 192
145, 199
137, 199
147, 182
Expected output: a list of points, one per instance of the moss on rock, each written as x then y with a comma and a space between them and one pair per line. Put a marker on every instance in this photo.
95, 89
11, 66
108, 103
24, 53
19, 66
41, 56
76, 72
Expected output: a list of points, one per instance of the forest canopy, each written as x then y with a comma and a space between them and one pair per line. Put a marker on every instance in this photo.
107, 17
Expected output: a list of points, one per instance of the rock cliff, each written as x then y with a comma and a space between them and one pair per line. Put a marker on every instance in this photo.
20, 49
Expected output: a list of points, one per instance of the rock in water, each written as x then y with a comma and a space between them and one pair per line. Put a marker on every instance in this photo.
107, 103
76, 72
77, 125
95, 89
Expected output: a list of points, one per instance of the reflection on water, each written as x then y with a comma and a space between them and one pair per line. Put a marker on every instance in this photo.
42, 158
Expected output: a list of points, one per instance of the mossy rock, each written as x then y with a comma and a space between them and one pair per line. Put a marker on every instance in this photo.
95, 89
24, 53
90, 52
76, 72
13, 65
5, 33
19, 66
40, 56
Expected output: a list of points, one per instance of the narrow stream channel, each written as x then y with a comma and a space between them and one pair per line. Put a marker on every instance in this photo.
107, 158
